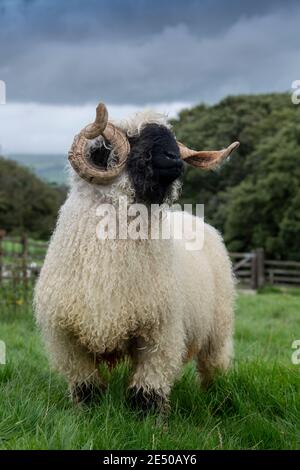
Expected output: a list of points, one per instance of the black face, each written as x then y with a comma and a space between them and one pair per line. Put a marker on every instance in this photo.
154, 163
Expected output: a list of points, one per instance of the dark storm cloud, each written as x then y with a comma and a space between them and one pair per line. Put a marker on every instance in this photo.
75, 19
138, 51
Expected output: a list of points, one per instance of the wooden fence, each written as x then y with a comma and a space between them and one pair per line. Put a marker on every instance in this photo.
253, 270
21, 259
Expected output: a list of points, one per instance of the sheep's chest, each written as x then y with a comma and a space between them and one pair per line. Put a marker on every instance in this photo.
105, 291
127, 288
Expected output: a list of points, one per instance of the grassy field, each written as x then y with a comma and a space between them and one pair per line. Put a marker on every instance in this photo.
256, 406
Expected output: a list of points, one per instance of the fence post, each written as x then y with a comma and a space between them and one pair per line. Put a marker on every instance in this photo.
260, 267
254, 270
24, 258
2, 235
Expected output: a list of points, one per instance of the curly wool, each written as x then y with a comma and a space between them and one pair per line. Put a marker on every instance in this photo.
94, 296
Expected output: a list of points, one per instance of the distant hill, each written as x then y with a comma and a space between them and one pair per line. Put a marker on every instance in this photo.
51, 168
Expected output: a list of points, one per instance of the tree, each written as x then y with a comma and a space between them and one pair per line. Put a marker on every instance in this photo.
27, 204
254, 198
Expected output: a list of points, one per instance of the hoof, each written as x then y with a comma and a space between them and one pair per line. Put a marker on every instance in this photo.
86, 392
145, 402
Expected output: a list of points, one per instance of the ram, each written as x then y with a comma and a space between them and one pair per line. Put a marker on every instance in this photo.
152, 300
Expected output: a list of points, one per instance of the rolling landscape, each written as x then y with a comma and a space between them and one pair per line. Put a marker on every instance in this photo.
51, 168
259, 185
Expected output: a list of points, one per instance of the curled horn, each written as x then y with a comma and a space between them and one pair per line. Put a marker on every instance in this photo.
206, 159
79, 154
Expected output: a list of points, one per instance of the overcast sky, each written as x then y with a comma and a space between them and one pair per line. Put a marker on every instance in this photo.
59, 58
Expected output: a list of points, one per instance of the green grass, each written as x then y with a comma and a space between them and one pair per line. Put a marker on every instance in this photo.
255, 406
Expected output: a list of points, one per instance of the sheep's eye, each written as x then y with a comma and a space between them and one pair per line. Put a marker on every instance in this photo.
100, 156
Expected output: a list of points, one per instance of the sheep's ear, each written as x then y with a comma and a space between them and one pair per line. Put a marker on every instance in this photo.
205, 159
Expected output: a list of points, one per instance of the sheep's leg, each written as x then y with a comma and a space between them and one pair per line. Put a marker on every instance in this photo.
213, 359
76, 364
157, 364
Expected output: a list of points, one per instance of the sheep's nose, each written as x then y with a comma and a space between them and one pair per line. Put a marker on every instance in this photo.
171, 156
167, 168
167, 161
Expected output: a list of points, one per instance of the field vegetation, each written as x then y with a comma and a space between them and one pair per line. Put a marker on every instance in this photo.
255, 406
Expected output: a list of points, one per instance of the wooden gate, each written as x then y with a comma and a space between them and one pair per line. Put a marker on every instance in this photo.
249, 268
252, 270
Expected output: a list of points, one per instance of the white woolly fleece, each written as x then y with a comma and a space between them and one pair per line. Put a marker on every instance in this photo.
94, 296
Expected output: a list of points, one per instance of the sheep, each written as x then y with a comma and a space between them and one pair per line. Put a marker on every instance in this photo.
151, 300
